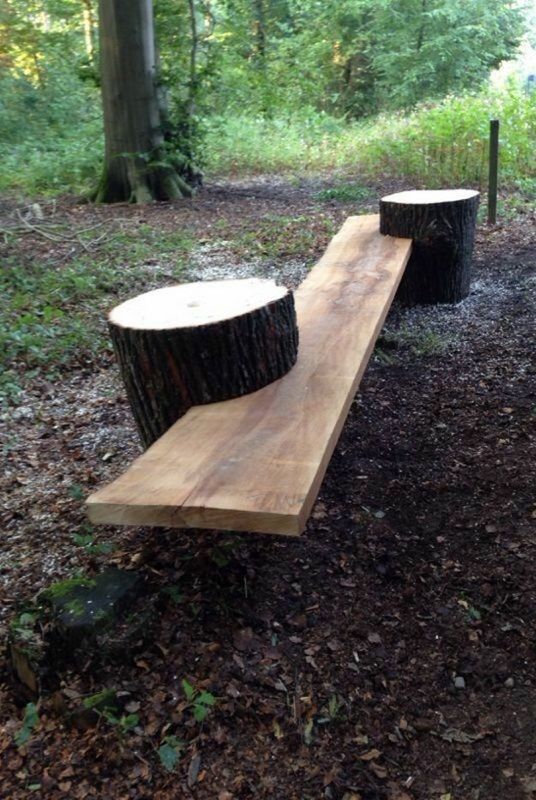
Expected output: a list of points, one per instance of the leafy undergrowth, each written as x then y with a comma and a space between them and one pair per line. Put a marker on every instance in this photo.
386, 655
59, 277
64, 268
435, 145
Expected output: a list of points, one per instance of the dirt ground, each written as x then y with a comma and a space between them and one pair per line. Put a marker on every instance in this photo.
389, 653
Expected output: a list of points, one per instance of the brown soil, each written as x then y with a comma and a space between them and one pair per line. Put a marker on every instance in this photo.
334, 658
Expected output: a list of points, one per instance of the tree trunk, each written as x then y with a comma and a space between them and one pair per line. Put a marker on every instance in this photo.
89, 30
136, 167
259, 32
442, 226
200, 343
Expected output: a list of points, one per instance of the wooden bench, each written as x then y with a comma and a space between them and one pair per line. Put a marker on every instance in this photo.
256, 463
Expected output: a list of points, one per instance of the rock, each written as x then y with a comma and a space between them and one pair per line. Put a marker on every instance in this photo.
459, 682
82, 605
76, 618
509, 683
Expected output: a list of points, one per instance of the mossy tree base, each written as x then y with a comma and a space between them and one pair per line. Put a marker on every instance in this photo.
140, 163
132, 180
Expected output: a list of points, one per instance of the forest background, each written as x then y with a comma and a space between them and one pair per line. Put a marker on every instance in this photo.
386, 87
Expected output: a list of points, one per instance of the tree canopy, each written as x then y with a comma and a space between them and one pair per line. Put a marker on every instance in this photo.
350, 59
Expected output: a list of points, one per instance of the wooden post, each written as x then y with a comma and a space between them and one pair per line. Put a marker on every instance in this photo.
199, 343
493, 170
442, 226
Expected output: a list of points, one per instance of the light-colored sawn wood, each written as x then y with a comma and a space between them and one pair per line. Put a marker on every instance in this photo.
256, 463
195, 304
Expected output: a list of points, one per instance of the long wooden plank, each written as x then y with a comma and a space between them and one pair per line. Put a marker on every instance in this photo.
256, 463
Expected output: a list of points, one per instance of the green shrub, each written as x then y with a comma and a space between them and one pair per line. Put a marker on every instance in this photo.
50, 137
435, 145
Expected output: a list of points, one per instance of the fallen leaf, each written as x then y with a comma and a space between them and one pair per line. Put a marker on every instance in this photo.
529, 785
508, 772
193, 770
378, 770
461, 737
278, 733
243, 640
370, 755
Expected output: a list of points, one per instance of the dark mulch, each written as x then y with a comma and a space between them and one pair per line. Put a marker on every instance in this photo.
335, 657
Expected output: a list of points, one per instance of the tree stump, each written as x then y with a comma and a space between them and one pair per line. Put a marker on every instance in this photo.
442, 225
199, 343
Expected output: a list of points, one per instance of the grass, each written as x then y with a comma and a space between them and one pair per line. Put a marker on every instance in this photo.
53, 314
435, 145
345, 193
421, 342
279, 236
53, 310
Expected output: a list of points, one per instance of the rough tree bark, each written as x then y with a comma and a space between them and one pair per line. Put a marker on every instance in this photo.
136, 167
442, 226
200, 343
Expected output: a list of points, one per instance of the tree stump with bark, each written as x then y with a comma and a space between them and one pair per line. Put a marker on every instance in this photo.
200, 343
442, 225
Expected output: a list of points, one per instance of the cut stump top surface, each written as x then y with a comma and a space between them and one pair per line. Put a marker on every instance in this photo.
429, 196
256, 463
190, 305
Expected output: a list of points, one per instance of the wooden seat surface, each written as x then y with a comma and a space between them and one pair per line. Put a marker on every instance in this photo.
255, 463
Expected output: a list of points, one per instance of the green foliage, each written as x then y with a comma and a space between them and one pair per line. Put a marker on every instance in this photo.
85, 538
221, 554
345, 193
29, 723
76, 491
421, 341
169, 752
124, 723
53, 315
104, 703
200, 702
447, 144
101, 701
430, 48
63, 588
300, 69
50, 137
174, 593
355, 57
22, 627
436, 145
